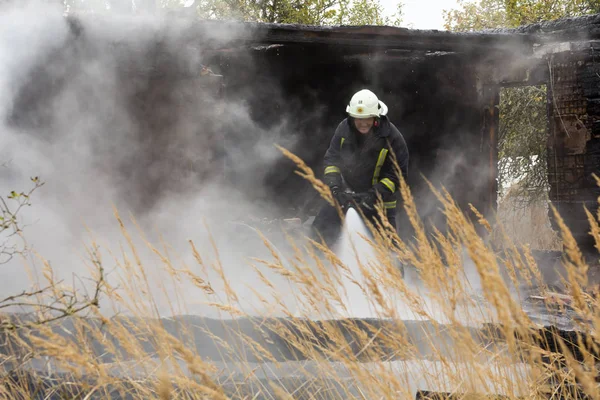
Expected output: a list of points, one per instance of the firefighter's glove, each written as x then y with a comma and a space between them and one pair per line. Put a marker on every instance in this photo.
342, 197
366, 200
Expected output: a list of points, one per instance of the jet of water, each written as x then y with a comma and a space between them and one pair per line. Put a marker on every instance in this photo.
353, 250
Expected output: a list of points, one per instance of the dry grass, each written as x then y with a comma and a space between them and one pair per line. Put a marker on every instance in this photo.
349, 359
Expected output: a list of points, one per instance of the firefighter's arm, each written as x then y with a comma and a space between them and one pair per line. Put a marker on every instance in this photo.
389, 182
333, 173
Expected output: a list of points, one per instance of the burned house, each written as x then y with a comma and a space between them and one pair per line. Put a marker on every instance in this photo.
443, 91
293, 82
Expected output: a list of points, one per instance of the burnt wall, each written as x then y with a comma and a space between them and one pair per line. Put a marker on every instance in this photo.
433, 100
574, 138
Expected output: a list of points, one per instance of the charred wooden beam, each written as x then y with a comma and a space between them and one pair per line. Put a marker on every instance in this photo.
388, 38
563, 391
431, 395
59, 386
520, 40
552, 339
225, 34
561, 30
276, 335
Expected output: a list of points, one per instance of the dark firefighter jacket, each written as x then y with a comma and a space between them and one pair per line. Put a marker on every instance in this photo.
362, 163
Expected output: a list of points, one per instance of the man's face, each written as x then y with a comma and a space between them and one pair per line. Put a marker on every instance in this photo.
364, 125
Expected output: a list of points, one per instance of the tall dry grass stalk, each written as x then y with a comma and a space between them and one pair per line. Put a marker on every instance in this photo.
475, 341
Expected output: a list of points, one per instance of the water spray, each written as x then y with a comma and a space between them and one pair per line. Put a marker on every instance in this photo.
354, 251
360, 258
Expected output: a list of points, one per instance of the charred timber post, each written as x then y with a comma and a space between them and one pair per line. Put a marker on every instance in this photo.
492, 123
490, 99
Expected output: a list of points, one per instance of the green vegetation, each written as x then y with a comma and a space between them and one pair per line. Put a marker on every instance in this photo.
311, 12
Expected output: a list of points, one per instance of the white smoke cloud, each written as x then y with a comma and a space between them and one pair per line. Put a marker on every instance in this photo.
68, 115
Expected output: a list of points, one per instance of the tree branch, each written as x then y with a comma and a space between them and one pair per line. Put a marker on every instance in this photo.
9, 222
53, 302
55, 310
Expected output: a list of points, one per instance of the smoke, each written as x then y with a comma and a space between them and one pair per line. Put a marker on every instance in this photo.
114, 113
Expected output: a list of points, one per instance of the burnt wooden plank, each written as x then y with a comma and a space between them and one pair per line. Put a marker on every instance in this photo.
392, 38
219, 34
431, 395
275, 335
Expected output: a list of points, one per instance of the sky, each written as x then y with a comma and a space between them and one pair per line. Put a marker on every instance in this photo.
422, 14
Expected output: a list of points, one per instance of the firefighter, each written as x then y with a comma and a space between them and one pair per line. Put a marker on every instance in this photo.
359, 160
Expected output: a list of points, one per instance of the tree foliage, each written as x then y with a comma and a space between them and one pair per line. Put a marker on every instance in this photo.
522, 141
521, 12
475, 16
309, 12
523, 122
367, 12
489, 14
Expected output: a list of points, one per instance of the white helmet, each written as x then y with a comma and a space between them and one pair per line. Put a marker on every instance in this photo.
364, 104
